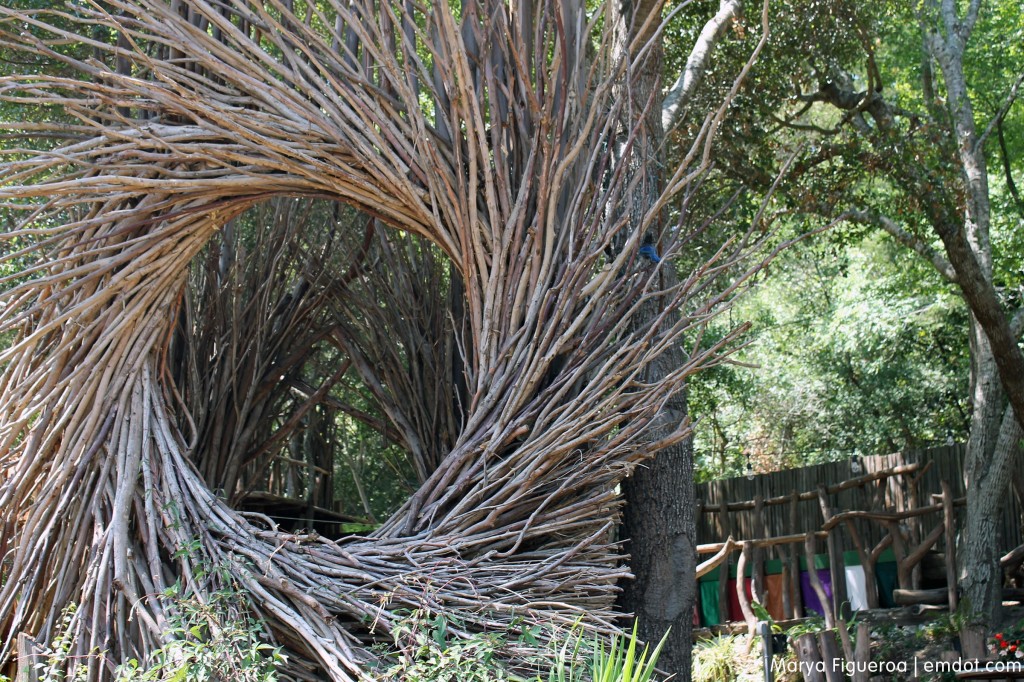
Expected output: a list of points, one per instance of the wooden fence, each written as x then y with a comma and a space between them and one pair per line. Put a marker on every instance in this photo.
896, 493
909, 504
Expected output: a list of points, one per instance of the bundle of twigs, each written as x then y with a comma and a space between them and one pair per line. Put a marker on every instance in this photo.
399, 321
493, 132
252, 319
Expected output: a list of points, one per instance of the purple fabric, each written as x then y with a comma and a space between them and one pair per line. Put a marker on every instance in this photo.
811, 601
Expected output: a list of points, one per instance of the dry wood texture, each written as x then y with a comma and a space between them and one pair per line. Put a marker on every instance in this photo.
490, 131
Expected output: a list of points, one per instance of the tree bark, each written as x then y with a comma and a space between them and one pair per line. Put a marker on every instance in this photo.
981, 577
658, 519
997, 360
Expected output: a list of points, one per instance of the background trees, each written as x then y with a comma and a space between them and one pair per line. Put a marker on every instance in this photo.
899, 110
855, 350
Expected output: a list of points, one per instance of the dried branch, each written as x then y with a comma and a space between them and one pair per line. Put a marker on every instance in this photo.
195, 113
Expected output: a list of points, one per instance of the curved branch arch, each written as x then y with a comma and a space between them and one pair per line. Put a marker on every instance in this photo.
408, 121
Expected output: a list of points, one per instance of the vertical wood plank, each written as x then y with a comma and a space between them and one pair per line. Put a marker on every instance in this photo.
819, 589
835, 557
794, 564
757, 554
741, 592
30, 655
723, 568
949, 520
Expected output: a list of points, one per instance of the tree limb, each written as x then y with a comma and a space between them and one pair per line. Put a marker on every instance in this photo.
682, 90
984, 303
911, 241
997, 120
1017, 323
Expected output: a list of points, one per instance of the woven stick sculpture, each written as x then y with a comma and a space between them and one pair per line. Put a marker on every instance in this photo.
496, 132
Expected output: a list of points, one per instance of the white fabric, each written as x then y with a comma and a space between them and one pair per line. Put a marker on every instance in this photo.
856, 587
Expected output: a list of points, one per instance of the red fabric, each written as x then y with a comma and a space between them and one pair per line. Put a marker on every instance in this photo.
735, 612
773, 587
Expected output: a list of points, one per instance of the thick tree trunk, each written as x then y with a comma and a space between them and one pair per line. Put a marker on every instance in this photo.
658, 523
981, 577
991, 449
997, 363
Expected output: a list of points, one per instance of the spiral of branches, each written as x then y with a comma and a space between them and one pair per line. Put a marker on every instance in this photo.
494, 130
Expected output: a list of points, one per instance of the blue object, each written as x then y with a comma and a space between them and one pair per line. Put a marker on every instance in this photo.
650, 253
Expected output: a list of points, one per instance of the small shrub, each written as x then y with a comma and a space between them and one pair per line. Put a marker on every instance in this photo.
425, 654
215, 639
714, 660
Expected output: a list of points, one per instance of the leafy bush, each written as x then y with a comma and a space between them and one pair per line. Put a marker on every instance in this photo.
216, 639
424, 652
714, 660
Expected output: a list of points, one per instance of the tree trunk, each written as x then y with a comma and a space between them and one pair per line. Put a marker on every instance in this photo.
658, 521
659, 526
981, 577
997, 364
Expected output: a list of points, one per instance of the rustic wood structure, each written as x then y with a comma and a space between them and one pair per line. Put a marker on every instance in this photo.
906, 502
504, 135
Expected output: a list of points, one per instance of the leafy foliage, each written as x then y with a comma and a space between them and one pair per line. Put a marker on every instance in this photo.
426, 649
715, 659
425, 653
217, 638
852, 352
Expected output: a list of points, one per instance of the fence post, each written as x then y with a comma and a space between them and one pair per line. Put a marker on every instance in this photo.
794, 565
949, 517
29, 657
723, 568
840, 606
758, 553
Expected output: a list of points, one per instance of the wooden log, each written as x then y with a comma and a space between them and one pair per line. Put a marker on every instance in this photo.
949, 522
723, 569
794, 564
906, 566
697, 526
831, 656
708, 565
757, 552
909, 597
787, 601
713, 547
819, 589
899, 548
870, 587
914, 523
835, 558
30, 656
881, 516
741, 592
809, 656
843, 628
832, 489
862, 654
1013, 558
